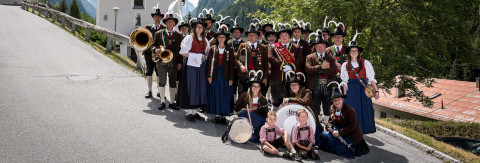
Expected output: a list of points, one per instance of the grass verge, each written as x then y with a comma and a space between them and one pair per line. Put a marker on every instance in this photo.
450, 150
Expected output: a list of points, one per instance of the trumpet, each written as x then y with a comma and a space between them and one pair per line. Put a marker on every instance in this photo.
165, 55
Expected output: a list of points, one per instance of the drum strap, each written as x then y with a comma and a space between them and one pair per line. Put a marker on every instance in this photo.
225, 135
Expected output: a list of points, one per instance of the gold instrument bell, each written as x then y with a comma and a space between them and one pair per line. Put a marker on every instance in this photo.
165, 55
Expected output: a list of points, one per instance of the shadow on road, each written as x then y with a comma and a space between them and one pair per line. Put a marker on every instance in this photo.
373, 141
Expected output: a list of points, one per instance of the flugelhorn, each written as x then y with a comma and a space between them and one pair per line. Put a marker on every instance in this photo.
165, 55
141, 39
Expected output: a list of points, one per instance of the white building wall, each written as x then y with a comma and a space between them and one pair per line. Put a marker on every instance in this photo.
126, 17
392, 113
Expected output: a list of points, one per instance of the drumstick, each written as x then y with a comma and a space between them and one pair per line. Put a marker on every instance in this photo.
248, 109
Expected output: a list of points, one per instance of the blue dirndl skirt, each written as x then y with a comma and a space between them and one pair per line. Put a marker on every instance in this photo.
257, 122
358, 100
330, 143
219, 95
197, 84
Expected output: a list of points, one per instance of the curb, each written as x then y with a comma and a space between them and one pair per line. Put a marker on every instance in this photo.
423, 147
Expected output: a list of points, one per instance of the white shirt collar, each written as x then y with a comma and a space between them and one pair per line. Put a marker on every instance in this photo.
240, 39
320, 54
288, 44
296, 40
339, 47
254, 44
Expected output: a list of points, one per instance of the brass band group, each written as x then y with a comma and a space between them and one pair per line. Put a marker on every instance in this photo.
293, 87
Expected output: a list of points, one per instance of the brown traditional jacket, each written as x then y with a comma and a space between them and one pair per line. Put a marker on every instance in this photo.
313, 69
262, 63
305, 100
276, 62
242, 102
228, 63
340, 58
305, 47
161, 36
348, 119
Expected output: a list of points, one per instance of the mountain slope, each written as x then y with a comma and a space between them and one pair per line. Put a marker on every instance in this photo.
84, 5
217, 5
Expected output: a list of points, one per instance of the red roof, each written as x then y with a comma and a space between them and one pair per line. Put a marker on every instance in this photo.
461, 101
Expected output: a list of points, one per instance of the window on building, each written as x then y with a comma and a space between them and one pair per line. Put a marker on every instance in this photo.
138, 4
383, 114
396, 116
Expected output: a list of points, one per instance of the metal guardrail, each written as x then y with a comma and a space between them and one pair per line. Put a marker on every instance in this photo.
51, 13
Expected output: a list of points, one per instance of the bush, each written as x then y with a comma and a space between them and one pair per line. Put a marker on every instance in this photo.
439, 128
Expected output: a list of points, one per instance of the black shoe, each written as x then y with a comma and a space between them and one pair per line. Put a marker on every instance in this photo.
161, 107
297, 157
148, 95
223, 121
173, 106
197, 116
158, 94
202, 109
288, 155
190, 118
216, 120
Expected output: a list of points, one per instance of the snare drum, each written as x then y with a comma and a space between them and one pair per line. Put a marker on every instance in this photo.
241, 130
287, 117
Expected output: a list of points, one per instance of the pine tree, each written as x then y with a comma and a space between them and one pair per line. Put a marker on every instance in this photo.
74, 10
63, 6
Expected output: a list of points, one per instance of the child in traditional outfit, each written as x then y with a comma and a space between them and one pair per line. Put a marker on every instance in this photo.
303, 137
270, 143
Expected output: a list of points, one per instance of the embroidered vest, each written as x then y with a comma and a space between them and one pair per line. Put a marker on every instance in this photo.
198, 46
362, 73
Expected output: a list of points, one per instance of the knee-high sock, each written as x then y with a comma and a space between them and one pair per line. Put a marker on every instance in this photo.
269, 93
149, 83
161, 90
173, 92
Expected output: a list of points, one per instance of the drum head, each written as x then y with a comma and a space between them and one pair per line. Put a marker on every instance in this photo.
287, 117
241, 130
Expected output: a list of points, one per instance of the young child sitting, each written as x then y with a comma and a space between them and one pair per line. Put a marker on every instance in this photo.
303, 137
270, 143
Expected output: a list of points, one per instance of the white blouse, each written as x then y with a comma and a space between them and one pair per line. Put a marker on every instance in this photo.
221, 50
368, 68
255, 100
186, 45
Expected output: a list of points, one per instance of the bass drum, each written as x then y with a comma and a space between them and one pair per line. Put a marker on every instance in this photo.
287, 117
240, 130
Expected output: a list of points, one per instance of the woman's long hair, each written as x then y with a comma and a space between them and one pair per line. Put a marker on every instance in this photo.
250, 92
349, 62
195, 35
289, 93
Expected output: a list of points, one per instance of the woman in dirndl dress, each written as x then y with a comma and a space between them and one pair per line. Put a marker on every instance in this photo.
356, 72
192, 91
220, 75
257, 104
343, 136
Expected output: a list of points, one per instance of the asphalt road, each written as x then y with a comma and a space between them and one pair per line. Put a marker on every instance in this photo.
62, 101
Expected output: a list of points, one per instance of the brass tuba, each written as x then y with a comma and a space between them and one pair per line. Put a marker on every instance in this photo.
141, 39
165, 55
